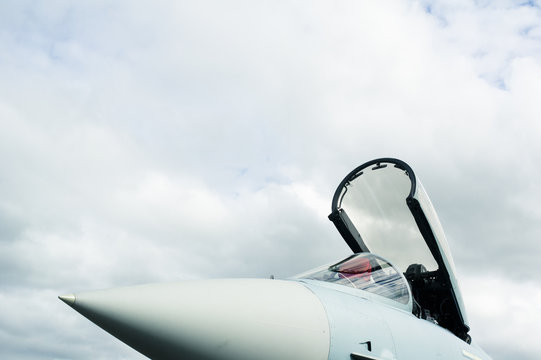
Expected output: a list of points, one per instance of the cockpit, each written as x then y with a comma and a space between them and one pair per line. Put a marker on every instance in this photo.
367, 272
381, 207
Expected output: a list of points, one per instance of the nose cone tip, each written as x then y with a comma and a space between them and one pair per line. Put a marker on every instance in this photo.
68, 299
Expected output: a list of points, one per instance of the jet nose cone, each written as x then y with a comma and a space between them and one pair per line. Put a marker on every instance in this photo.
68, 299
213, 319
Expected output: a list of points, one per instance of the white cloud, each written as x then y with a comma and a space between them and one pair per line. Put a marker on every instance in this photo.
152, 143
502, 309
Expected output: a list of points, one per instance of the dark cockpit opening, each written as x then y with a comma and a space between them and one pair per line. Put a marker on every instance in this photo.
432, 299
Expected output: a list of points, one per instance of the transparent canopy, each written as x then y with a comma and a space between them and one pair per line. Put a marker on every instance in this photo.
366, 272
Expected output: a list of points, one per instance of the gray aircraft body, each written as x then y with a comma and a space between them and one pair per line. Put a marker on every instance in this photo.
395, 298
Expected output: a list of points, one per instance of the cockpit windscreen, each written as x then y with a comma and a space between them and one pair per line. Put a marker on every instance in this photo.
366, 272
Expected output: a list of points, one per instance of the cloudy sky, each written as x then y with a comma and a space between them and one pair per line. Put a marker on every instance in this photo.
169, 140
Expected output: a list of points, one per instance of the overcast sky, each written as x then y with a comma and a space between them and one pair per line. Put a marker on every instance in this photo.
169, 140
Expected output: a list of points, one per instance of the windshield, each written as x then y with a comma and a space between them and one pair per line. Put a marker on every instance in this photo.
366, 272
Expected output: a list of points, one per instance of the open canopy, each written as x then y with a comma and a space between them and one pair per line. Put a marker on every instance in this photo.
381, 207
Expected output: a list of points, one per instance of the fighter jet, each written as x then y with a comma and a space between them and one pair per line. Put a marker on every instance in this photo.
395, 298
